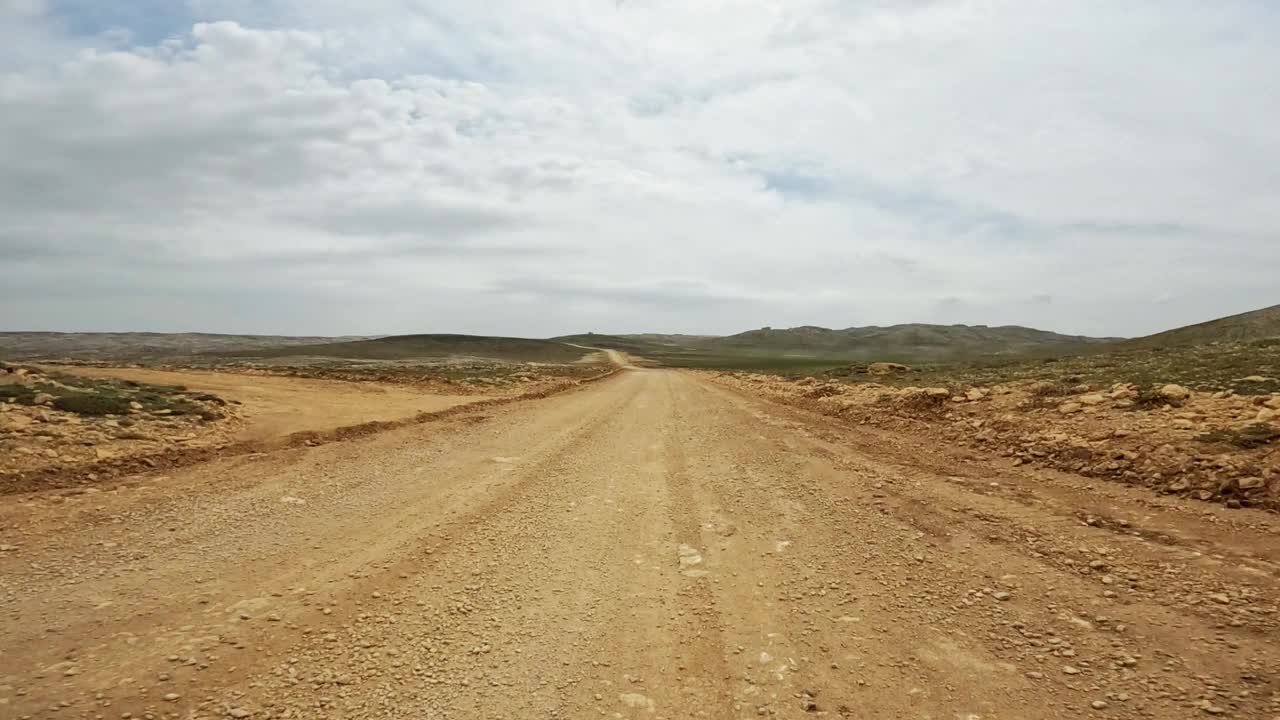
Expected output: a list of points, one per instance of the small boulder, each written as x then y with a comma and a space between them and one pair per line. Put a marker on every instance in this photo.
1092, 399
975, 394
1174, 393
42, 399
886, 368
1070, 408
1250, 483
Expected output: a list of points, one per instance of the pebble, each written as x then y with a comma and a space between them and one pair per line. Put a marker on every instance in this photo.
1099, 704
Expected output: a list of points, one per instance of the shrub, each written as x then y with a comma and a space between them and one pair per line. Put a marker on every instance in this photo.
92, 404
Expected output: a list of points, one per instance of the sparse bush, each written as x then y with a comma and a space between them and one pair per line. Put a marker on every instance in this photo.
821, 391
923, 402
18, 393
1151, 398
1056, 388
83, 404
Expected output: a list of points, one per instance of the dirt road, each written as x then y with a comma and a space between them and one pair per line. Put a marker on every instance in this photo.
650, 546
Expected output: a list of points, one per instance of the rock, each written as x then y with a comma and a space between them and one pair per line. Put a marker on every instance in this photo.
14, 421
975, 394
42, 399
1251, 483
1092, 399
937, 392
1070, 670
1068, 408
1174, 393
1255, 379
1184, 424
1098, 704
1210, 708
1123, 392
1001, 595
239, 713
636, 700
8, 548
1220, 598
1267, 415
172, 697
886, 368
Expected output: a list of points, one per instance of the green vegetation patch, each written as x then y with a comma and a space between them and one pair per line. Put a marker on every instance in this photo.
1248, 437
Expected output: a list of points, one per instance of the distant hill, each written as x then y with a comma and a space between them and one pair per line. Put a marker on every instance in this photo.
910, 341
625, 343
407, 347
137, 346
1246, 327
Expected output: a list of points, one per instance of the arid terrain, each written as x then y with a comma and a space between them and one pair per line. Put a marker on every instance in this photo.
607, 538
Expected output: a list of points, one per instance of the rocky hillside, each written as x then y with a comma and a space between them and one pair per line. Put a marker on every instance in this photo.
1256, 325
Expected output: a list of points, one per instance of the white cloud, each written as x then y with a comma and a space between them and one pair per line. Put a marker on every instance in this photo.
645, 165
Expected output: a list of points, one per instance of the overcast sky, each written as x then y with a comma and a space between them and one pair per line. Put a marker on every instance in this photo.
536, 167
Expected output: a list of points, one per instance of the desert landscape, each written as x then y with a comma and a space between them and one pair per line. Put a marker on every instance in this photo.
639, 360
915, 521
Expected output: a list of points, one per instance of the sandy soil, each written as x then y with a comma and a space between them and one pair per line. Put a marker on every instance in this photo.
650, 546
274, 407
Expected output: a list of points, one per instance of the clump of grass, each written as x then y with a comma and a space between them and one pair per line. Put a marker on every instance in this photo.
1248, 437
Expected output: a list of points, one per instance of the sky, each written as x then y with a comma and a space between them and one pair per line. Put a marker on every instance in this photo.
539, 167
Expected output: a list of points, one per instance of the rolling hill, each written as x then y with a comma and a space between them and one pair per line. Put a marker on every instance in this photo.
909, 341
135, 346
1260, 324
407, 347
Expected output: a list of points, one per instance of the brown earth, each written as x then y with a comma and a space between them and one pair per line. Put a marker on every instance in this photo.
655, 545
1218, 446
274, 407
